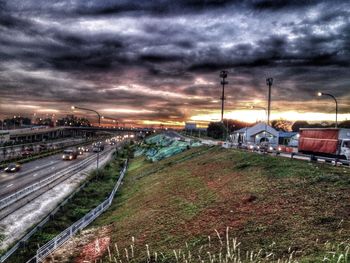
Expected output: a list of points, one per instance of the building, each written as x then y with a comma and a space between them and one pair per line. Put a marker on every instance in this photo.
256, 134
190, 126
288, 138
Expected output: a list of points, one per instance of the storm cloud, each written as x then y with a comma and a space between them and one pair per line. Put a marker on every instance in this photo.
161, 59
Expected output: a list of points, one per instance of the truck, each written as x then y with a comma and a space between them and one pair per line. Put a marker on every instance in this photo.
326, 142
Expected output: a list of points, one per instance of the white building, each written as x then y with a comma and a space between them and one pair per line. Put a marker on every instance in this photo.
256, 134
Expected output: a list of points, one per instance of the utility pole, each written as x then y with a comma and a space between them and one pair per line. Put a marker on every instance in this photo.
98, 160
269, 82
223, 75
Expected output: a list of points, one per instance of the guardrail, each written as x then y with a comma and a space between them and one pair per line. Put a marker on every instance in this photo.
40, 225
295, 155
334, 161
60, 239
36, 186
14, 152
42, 183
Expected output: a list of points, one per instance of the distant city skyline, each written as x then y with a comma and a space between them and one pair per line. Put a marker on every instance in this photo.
155, 62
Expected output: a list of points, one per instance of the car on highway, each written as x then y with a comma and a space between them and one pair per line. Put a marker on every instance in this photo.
81, 150
70, 154
12, 167
98, 147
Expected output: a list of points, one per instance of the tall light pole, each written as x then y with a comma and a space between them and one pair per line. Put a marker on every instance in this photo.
336, 105
269, 82
223, 75
98, 115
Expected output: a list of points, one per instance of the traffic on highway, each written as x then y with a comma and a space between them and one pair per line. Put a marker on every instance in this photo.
15, 176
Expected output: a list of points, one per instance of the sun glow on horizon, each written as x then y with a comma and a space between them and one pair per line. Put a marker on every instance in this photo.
252, 116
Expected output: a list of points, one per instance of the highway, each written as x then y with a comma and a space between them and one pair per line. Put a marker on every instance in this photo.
34, 171
15, 151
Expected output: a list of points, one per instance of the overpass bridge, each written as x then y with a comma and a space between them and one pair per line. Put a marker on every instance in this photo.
50, 133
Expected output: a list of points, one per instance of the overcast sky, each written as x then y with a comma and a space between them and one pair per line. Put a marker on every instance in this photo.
160, 60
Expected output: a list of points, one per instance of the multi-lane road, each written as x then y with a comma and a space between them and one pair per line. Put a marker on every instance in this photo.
34, 171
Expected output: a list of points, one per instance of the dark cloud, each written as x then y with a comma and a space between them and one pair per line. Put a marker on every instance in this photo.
86, 51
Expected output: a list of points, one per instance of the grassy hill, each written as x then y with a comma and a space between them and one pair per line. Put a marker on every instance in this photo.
186, 203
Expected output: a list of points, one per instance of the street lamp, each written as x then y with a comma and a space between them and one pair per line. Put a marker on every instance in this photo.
269, 82
80, 108
14, 122
223, 75
336, 105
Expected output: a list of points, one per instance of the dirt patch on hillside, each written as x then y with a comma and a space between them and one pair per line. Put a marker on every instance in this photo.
89, 246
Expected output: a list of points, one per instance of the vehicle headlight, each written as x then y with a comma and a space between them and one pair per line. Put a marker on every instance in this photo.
13, 169
71, 157
258, 147
271, 148
63, 156
6, 169
279, 148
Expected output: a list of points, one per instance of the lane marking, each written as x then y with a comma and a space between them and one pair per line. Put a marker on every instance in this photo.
9, 185
35, 174
53, 168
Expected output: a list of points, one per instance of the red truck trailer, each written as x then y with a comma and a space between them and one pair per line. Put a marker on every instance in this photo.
329, 142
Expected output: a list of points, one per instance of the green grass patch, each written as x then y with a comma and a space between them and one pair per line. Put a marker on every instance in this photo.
264, 200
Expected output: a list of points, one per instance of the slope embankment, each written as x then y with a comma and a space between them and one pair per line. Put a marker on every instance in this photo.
182, 207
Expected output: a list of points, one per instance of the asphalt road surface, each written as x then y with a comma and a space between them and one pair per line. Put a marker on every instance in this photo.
35, 171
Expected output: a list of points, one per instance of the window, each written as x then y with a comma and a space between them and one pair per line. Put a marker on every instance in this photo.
346, 144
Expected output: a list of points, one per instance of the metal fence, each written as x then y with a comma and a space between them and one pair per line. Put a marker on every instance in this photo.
60, 239
24, 239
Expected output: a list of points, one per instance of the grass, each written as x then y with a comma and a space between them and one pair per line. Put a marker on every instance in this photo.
95, 191
217, 249
272, 204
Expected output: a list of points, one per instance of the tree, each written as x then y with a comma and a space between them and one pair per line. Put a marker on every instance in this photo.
71, 120
216, 130
44, 122
281, 125
219, 130
344, 124
299, 124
